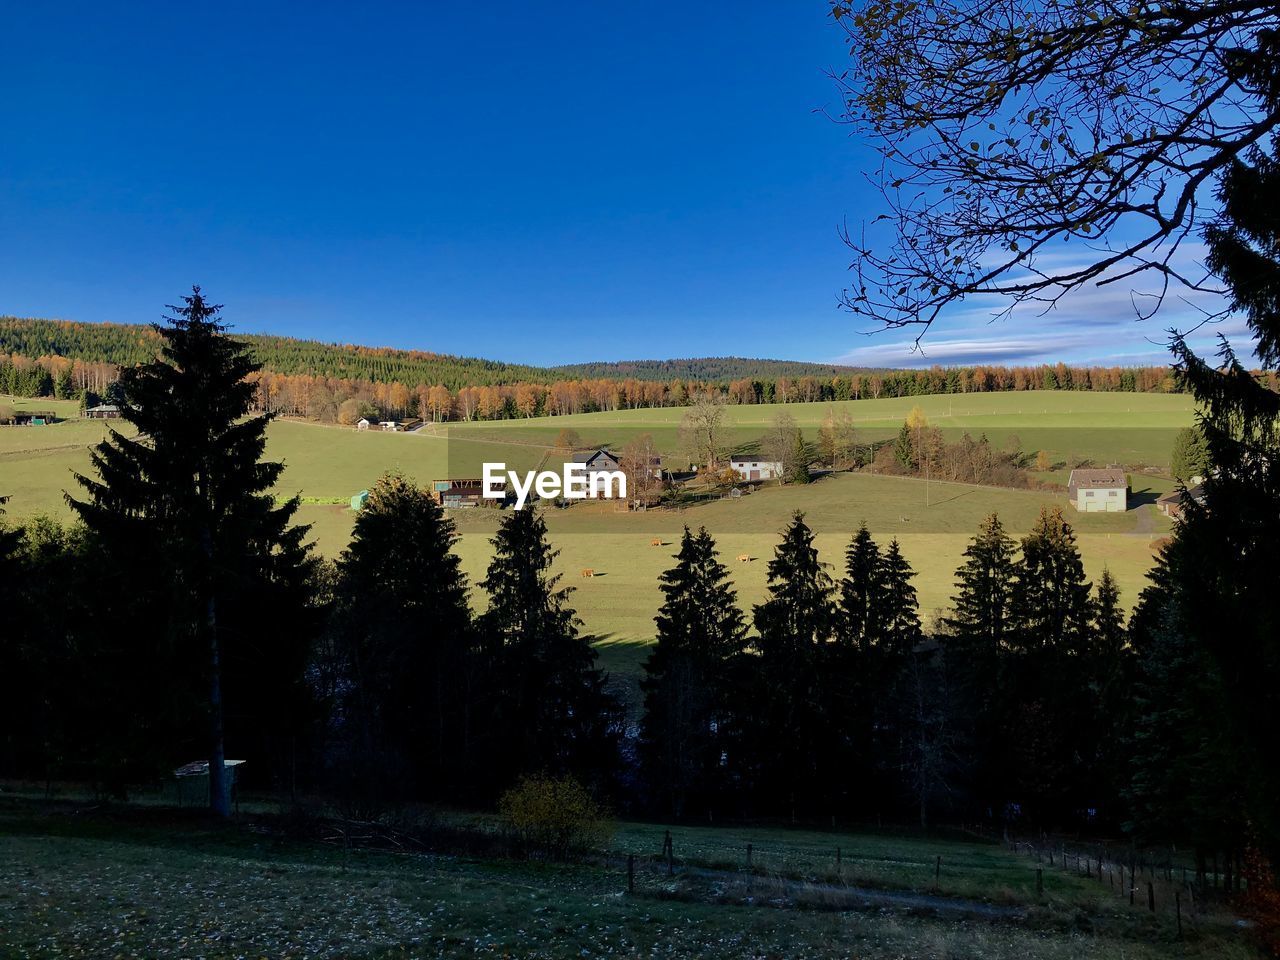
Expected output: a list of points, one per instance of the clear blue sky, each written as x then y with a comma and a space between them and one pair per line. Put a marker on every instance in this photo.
543, 183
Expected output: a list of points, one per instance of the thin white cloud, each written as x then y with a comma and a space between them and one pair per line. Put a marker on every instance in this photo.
1094, 324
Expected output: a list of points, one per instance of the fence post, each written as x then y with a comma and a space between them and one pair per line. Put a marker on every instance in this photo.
1177, 902
748, 856
1133, 886
839, 863
631, 873
670, 864
1039, 882
1151, 896
937, 872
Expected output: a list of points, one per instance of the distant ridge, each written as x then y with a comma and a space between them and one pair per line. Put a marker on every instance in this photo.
127, 344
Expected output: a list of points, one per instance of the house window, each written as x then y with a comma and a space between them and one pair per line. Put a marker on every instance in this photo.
1088, 493
1114, 493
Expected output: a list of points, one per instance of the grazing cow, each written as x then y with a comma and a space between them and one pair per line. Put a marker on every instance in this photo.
744, 557
655, 542
588, 572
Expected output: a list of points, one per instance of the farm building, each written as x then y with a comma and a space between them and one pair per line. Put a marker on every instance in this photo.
31, 418
359, 500
1173, 503
1099, 491
365, 423
467, 492
753, 467
192, 782
103, 411
604, 461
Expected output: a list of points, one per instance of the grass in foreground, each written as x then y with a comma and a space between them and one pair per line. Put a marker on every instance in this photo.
160, 886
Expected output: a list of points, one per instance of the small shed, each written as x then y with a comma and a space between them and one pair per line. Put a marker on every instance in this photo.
1099, 491
103, 411
359, 500
1174, 503
192, 782
34, 418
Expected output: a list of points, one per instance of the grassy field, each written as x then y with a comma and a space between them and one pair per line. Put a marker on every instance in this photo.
160, 884
933, 521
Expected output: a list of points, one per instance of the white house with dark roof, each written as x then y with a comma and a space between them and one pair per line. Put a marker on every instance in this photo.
753, 466
1099, 491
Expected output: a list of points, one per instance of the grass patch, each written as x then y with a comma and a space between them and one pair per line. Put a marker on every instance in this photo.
159, 884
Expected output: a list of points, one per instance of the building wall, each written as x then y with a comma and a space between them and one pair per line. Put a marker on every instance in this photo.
1103, 500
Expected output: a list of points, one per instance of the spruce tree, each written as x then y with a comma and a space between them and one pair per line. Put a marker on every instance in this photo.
1108, 640
1046, 674
799, 614
977, 642
552, 710
895, 691
794, 743
185, 508
980, 623
1228, 598
688, 683
1187, 774
406, 639
1050, 592
1108, 675
900, 619
798, 461
861, 593
1189, 458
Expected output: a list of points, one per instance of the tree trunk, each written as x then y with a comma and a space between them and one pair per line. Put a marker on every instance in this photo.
219, 801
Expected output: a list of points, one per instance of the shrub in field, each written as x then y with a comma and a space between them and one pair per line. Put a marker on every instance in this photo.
555, 815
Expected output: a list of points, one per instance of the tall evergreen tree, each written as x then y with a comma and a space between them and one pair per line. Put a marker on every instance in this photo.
1050, 591
790, 735
900, 621
1186, 776
189, 496
798, 615
1189, 458
1048, 672
551, 704
981, 618
979, 636
688, 683
1227, 599
405, 631
861, 593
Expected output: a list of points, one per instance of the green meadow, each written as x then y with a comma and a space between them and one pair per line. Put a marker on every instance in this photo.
79, 881
933, 521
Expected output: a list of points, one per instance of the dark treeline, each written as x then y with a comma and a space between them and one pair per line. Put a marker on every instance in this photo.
1014, 709
183, 617
331, 383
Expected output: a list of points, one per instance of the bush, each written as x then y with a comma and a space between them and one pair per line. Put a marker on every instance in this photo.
554, 815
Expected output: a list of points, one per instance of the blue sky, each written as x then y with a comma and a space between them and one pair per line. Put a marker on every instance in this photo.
543, 183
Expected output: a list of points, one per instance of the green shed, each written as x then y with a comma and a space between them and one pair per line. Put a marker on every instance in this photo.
360, 499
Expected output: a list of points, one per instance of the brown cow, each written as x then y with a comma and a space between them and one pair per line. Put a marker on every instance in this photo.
744, 557
588, 572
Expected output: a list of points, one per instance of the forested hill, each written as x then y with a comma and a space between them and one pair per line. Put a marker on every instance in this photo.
705, 369
127, 344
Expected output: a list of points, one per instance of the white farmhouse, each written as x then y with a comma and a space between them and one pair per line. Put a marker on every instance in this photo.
1099, 491
754, 467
